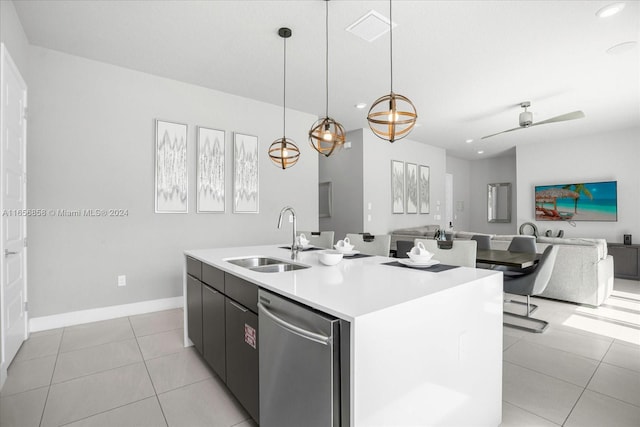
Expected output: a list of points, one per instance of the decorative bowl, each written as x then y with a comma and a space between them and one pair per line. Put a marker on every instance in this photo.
329, 257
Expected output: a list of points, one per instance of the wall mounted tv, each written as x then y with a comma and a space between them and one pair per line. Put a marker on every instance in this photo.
589, 201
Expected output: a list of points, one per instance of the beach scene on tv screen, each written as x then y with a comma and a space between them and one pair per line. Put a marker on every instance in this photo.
593, 201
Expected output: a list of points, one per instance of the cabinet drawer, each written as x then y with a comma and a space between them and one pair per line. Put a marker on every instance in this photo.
242, 356
246, 293
213, 277
194, 268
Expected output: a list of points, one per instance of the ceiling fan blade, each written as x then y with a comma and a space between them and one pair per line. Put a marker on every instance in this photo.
564, 117
504, 131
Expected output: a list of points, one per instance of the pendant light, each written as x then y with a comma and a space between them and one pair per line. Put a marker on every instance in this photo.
283, 152
392, 116
326, 135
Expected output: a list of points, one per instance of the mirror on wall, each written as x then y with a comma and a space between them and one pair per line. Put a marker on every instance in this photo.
499, 202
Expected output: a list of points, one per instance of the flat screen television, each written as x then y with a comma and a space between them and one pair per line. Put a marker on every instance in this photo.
590, 201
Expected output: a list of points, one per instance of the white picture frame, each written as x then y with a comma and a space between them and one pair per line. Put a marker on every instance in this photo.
171, 172
411, 183
210, 171
245, 173
397, 187
423, 188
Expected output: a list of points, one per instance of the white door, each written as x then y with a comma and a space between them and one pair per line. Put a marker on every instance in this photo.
13, 256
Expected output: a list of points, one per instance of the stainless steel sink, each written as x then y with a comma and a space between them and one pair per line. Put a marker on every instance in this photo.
266, 265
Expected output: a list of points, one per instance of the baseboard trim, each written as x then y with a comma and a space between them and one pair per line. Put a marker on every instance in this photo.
104, 313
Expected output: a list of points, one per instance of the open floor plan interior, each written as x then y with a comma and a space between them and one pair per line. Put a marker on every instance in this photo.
584, 371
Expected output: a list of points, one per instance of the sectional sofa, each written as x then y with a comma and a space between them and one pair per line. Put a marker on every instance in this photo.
582, 274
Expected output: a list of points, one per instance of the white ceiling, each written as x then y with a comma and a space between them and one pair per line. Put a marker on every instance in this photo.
466, 65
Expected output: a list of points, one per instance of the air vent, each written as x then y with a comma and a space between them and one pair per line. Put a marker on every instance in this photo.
370, 26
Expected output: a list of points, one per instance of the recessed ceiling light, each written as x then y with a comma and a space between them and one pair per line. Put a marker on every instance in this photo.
610, 10
622, 47
480, 151
469, 141
361, 105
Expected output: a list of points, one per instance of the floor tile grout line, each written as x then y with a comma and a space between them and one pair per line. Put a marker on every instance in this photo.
55, 364
546, 375
563, 351
586, 385
105, 411
96, 345
532, 413
155, 391
613, 398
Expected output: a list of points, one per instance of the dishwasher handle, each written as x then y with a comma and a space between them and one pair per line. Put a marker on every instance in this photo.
312, 336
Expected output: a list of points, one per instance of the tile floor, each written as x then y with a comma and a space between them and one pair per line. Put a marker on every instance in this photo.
583, 371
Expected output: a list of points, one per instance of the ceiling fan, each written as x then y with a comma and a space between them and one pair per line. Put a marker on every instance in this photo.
526, 119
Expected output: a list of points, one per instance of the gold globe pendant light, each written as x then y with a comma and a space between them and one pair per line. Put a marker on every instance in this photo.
327, 135
392, 116
283, 152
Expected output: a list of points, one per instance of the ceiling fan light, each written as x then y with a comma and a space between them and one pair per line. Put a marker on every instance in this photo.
327, 136
610, 10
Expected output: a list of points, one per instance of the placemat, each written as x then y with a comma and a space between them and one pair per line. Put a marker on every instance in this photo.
312, 248
435, 269
356, 256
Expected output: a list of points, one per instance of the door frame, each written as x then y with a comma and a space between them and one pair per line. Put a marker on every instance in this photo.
7, 62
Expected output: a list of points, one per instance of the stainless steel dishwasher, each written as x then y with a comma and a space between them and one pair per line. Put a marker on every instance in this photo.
304, 365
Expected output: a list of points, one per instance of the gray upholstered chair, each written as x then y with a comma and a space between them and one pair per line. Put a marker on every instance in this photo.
403, 246
379, 244
530, 284
523, 244
484, 242
321, 239
462, 252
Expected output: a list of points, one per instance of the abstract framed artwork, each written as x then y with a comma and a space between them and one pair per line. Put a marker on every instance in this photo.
397, 187
411, 180
171, 176
210, 183
245, 173
423, 188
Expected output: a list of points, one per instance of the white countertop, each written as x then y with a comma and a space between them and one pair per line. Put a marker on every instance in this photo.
350, 289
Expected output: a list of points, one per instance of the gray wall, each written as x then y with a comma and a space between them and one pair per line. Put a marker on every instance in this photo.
344, 171
91, 145
484, 172
13, 36
607, 157
377, 182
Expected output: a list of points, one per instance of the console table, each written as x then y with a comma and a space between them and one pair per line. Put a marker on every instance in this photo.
626, 260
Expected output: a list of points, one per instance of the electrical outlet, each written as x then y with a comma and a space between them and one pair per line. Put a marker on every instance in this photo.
122, 280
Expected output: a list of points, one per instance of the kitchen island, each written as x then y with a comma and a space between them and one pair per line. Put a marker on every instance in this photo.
425, 348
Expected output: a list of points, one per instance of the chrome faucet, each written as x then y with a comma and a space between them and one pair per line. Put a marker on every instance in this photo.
294, 246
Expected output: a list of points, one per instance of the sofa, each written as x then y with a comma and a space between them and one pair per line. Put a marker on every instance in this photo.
582, 274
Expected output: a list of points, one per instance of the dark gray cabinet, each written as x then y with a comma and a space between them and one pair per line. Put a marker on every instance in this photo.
223, 326
194, 311
626, 260
242, 355
213, 330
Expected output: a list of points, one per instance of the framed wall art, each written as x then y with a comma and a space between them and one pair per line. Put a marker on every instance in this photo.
423, 188
210, 183
245, 173
397, 187
411, 181
171, 195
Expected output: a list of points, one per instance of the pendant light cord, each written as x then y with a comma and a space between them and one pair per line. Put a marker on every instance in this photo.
391, 45
284, 92
326, 62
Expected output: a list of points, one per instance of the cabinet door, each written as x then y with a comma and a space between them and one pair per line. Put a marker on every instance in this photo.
625, 261
242, 356
213, 330
194, 310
